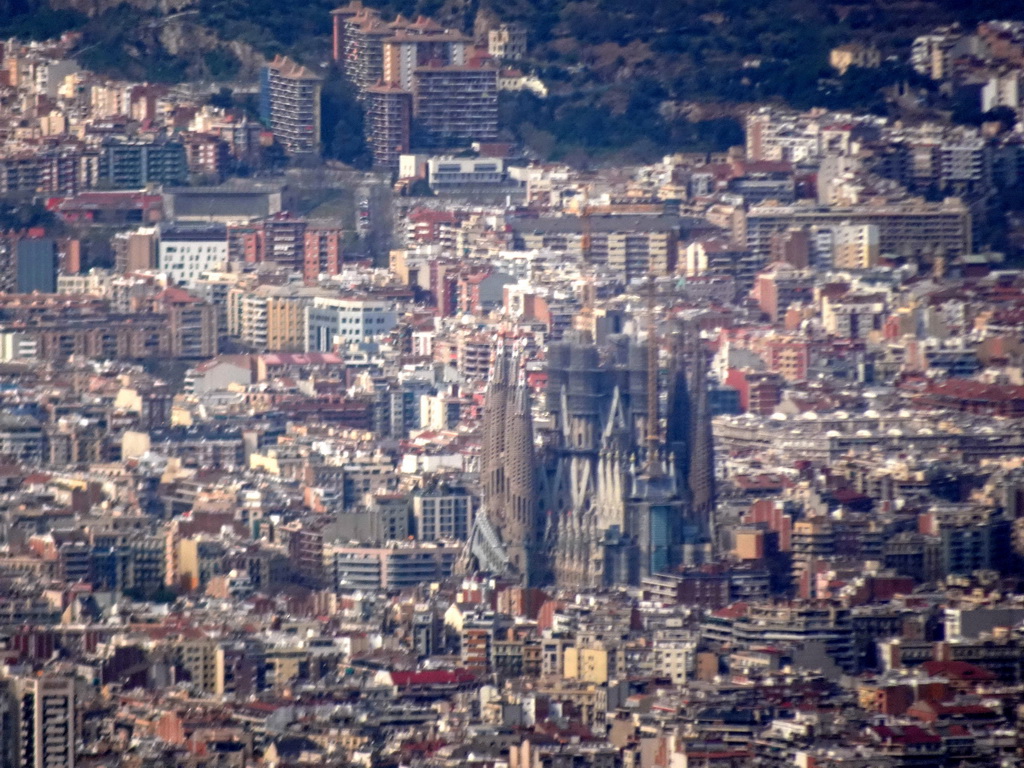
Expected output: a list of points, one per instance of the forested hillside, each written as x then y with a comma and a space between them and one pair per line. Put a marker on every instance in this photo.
634, 77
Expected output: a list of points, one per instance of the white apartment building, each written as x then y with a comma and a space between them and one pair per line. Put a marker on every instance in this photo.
1002, 90
332, 322
187, 253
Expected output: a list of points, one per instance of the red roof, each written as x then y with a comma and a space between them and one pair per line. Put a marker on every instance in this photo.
177, 296
733, 611
968, 389
433, 216
760, 482
958, 670
495, 148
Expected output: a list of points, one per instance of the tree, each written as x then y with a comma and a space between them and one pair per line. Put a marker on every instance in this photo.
221, 63
341, 115
420, 188
224, 99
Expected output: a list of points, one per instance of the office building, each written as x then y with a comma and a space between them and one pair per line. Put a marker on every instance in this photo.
789, 625
446, 171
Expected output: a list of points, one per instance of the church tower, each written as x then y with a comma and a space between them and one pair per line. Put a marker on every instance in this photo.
576, 398
701, 460
509, 531
522, 528
492, 450
620, 486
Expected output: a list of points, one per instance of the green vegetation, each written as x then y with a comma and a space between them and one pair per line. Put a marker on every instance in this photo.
579, 130
221, 63
341, 119
33, 21
23, 214
420, 188
272, 26
118, 42
123, 41
624, 76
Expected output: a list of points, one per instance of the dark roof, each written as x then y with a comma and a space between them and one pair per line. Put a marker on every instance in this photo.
432, 677
205, 231
294, 745
729, 716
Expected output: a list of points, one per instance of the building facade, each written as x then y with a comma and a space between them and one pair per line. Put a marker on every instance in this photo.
331, 321
46, 721
290, 105
187, 252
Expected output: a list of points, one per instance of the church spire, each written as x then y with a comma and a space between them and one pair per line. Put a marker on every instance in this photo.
678, 418
701, 479
521, 530
653, 464
493, 442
